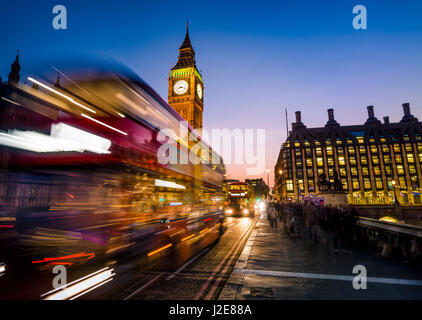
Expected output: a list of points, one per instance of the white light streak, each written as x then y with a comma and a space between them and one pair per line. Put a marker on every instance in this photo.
81, 286
103, 124
61, 95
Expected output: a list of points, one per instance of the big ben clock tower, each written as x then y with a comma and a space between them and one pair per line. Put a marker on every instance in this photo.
186, 89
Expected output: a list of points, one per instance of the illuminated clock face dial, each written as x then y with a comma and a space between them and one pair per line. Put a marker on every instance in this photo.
199, 90
181, 86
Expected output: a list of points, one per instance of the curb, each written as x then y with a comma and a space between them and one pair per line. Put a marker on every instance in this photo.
235, 281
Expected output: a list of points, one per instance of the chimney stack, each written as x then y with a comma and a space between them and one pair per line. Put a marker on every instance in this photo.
298, 124
386, 120
407, 117
298, 117
406, 109
330, 114
370, 111
331, 121
371, 116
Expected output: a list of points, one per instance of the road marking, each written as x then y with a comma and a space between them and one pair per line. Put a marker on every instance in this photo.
327, 276
146, 285
220, 265
187, 263
238, 248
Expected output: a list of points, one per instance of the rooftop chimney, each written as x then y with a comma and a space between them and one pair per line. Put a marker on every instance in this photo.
331, 121
298, 117
298, 124
386, 120
407, 117
370, 111
371, 116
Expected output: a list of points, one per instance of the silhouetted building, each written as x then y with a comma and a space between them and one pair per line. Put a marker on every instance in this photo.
261, 190
374, 160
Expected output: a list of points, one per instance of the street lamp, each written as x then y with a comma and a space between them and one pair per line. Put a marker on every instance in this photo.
394, 184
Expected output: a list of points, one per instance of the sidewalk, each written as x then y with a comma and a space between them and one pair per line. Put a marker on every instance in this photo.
274, 265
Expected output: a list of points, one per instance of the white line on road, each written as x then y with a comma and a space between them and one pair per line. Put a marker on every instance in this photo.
146, 285
327, 276
187, 263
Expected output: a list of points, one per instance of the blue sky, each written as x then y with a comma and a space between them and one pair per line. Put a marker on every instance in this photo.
257, 58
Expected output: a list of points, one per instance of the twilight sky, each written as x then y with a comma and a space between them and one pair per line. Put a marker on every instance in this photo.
256, 57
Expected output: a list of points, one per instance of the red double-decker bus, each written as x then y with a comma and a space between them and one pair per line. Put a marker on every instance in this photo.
82, 185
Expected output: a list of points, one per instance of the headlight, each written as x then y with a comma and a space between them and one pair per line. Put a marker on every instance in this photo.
229, 211
245, 211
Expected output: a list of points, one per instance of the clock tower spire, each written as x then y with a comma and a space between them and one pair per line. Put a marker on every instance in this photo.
185, 93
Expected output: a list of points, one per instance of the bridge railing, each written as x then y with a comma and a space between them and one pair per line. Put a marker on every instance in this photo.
405, 229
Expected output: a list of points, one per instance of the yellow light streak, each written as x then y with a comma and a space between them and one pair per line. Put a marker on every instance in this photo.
159, 250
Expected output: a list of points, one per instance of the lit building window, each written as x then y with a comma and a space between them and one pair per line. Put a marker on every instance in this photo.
309, 162
400, 169
396, 148
342, 172
375, 160
378, 183
362, 149
330, 151
360, 140
289, 185
385, 148
387, 159
365, 171
387, 170
310, 173
297, 144
320, 171
318, 151
402, 182
340, 150
367, 183
377, 170
410, 158
341, 161
352, 160
412, 169
355, 184
374, 149
354, 171
338, 141
344, 183
398, 158
408, 147
363, 160
330, 161
320, 162
307, 143
352, 150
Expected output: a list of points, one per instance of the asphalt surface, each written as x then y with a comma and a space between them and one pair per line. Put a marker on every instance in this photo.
203, 276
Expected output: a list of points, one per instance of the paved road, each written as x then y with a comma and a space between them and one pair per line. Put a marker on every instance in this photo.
201, 277
277, 266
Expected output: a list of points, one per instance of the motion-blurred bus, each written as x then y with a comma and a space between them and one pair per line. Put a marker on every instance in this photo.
81, 184
240, 199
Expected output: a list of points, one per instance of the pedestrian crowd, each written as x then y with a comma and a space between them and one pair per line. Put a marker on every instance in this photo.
334, 227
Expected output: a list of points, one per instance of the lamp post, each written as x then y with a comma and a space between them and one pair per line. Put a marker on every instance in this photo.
268, 182
394, 184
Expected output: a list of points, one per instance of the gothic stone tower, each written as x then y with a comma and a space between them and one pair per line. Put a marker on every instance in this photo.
186, 87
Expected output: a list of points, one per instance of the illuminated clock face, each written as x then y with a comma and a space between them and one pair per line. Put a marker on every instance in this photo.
181, 86
199, 90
